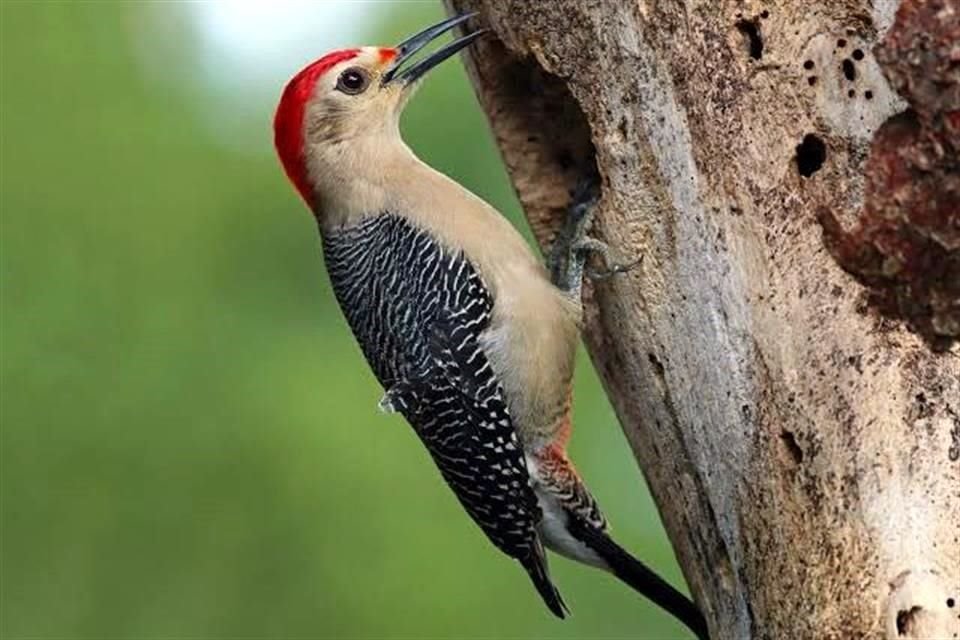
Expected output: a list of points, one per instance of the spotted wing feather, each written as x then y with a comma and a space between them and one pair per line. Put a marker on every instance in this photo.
418, 311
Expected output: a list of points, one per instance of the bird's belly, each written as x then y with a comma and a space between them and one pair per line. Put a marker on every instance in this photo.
532, 345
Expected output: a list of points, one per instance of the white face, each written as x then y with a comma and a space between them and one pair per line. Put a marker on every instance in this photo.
336, 128
350, 99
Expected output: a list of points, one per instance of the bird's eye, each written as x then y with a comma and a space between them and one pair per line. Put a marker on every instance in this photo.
353, 81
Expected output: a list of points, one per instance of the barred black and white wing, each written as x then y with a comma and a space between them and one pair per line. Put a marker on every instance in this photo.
418, 311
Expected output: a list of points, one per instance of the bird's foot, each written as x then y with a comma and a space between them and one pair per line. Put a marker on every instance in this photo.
612, 266
573, 245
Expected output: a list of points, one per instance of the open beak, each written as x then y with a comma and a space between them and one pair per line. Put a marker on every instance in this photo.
413, 44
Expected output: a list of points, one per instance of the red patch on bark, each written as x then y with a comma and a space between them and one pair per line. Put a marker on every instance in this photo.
288, 121
906, 245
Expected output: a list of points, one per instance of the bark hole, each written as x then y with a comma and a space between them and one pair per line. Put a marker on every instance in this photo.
657, 365
790, 445
811, 154
849, 71
906, 620
542, 125
751, 31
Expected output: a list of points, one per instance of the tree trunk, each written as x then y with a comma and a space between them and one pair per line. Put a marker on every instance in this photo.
802, 444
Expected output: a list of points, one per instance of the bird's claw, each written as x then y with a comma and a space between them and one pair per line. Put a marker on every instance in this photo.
573, 244
613, 269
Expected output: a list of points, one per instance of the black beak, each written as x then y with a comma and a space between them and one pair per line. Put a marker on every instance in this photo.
413, 44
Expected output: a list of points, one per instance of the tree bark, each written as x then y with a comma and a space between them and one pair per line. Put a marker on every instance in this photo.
801, 445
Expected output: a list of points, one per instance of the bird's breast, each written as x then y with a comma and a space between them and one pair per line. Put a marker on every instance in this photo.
531, 344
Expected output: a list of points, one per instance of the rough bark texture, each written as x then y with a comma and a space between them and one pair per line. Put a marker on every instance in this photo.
803, 448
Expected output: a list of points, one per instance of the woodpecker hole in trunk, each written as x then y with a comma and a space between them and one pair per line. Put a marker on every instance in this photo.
906, 620
811, 154
751, 31
540, 122
849, 71
791, 447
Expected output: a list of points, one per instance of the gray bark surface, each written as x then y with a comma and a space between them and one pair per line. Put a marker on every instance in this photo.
801, 447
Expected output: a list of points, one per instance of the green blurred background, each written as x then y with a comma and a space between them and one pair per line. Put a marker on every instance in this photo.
190, 441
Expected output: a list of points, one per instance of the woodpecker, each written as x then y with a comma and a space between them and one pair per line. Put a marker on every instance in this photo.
471, 336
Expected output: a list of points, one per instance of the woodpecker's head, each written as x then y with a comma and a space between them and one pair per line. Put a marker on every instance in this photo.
350, 96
